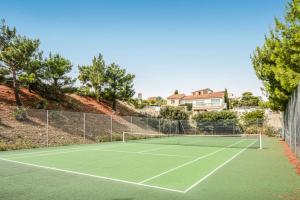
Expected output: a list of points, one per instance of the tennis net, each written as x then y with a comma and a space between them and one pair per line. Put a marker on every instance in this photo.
230, 141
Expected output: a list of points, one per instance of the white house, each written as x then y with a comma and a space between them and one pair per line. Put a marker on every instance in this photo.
202, 100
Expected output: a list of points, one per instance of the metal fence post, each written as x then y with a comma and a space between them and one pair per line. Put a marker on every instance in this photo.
131, 124
47, 129
158, 125
111, 127
147, 122
84, 127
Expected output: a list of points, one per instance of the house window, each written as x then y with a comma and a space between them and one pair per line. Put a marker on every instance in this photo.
172, 101
200, 103
215, 102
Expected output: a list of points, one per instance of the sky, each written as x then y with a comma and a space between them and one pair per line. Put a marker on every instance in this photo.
168, 44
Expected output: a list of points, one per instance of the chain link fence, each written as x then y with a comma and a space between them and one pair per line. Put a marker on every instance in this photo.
56, 128
291, 122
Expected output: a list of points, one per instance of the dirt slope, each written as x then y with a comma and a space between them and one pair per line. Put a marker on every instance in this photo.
32, 131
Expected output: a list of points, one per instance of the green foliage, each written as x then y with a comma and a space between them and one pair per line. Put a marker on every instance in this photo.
85, 91
226, 99
173, 113
249, 100
254, 117
270, 131
55, 73
138, 104
3, 74
20, 113
19, 144
118, 84
215, 116
188, 106
43, 104
252, 122
33, 72
16, 52
93, 76
277, 62
215, 122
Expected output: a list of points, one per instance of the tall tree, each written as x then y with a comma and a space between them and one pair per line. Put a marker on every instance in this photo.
93, 76
248, 99
56, 72
16, 52
277, 62
226, 99
119, 84
32, 74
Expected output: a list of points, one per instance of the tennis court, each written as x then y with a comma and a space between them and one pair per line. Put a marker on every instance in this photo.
170, 163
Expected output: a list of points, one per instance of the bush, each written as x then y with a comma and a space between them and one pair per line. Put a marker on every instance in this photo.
17, 145
43, 104
173, 113
188, 106
215, 116
85, 91
270, 131
253, 118
20, 113
138, 104
222, 122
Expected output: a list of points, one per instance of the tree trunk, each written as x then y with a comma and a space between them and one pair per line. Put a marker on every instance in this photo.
16, 89
114, 105
30, 86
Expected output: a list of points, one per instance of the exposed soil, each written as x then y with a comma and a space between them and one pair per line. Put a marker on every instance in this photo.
64, 127
292, 157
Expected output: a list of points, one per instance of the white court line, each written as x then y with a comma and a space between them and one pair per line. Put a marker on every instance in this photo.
53, 150
217, 168
106, 148
188, 163
91, 175
153, 154
57, 152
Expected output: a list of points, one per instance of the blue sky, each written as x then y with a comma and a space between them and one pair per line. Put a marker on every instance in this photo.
167, 44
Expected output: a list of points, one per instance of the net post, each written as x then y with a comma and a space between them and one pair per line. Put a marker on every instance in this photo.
47, 129
111, 127
260, 141
84, 127
259, 134
123, 137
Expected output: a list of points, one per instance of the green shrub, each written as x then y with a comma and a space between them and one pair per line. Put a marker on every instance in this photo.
253, 118
173, 113
19, 144
20, 113
215, 116
270, 131
222, 122
85, 91
188, 106
43, 104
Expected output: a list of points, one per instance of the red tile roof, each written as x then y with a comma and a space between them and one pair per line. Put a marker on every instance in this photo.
192, 97
205, 96
176, 96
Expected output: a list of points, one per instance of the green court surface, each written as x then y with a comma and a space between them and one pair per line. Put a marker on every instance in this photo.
137, 170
